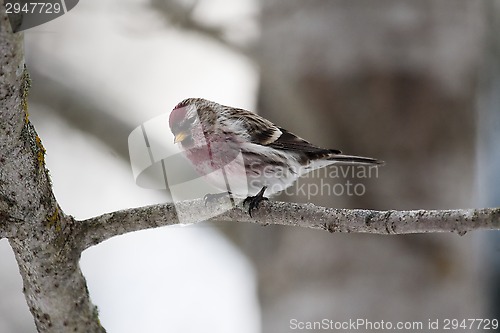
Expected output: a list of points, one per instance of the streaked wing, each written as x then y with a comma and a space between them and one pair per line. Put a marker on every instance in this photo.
289, 141
261, 130
265, 133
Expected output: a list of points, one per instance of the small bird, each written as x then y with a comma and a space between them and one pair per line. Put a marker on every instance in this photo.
254, 154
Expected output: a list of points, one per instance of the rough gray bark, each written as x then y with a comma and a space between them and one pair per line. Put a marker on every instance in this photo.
54, 286
95, 230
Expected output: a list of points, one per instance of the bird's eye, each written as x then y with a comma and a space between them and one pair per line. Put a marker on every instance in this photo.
191, 120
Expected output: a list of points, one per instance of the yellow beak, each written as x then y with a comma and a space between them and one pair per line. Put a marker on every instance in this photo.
180, 137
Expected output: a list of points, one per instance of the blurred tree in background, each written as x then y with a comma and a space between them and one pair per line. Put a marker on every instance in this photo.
392, 79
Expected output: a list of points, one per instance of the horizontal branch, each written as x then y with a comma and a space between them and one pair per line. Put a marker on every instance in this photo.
95, 230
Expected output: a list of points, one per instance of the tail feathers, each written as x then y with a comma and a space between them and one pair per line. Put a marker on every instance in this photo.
354, 159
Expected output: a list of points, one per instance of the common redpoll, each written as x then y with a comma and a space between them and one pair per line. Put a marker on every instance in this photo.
255, 155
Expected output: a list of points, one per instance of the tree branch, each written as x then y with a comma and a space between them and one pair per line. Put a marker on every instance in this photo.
81, 111
95, 230
176, 13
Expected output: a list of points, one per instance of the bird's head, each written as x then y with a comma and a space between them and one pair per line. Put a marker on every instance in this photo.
191, 120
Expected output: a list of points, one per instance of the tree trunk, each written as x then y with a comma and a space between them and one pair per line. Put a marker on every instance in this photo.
38, 231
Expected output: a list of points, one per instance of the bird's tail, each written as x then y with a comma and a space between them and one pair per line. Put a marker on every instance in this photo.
355, 159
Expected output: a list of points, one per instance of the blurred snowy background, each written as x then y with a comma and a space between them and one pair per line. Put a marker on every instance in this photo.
415, 83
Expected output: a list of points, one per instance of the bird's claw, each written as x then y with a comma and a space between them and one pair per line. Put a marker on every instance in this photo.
254, 201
